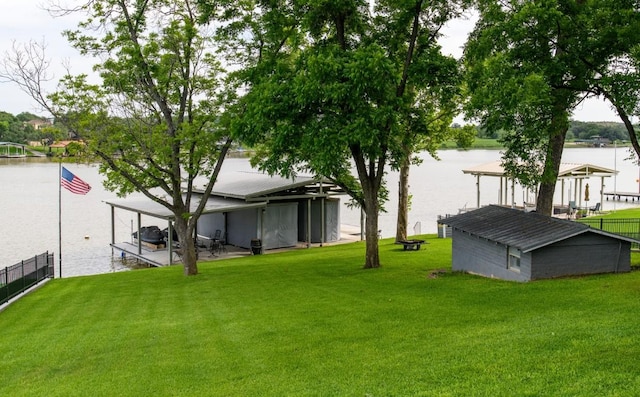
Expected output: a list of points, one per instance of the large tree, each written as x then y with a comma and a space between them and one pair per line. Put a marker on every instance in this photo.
345, 82
428, 122
530, 63
154, 120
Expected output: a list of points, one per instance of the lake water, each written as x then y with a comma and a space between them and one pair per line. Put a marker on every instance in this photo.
29, 203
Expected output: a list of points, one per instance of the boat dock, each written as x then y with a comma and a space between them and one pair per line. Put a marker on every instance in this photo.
153, 257
17, 150
160, 257
627, 196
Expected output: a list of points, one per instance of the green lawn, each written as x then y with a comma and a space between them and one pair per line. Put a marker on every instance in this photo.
313, 323
625, 222
628, 213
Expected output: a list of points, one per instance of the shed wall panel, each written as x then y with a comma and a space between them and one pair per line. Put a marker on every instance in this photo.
583, 254
209, 223
242, 227
480, 256
280, 226
331, 220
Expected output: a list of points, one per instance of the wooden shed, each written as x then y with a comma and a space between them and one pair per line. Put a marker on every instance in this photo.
511, 244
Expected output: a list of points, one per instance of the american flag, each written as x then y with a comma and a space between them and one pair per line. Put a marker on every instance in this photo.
72, 183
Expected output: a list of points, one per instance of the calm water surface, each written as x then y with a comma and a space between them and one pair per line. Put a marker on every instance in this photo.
29, 203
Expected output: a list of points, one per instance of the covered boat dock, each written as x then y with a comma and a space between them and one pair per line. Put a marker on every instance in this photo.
12, 150
164, 256
245, 207
569, 172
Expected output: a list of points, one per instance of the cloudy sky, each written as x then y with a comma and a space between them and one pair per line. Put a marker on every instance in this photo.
25, 20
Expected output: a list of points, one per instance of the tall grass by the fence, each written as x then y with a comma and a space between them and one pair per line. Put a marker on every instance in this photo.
21, 276
628, 227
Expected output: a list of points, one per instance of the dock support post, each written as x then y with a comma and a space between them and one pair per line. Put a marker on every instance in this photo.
139, 234
478, 191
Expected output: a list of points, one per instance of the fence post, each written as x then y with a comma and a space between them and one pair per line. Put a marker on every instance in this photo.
6, 283
22, 274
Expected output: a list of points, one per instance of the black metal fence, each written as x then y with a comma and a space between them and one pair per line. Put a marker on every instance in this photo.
19, 277
628, 227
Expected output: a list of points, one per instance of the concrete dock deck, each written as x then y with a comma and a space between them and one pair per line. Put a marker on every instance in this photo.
160, 257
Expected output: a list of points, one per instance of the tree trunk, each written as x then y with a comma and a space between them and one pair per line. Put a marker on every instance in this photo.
372, 255
559, 127
189, 257
370, 176
187, 246
403, 202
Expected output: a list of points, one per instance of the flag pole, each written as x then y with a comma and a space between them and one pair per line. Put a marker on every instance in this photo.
59, 218
76, 186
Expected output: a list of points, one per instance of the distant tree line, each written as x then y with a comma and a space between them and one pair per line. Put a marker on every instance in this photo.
577, 130
610, 130
17, 129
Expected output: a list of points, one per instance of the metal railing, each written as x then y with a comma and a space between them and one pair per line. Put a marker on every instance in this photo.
21, 276
628, 227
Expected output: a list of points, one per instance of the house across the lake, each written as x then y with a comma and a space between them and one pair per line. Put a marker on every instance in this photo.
511, 244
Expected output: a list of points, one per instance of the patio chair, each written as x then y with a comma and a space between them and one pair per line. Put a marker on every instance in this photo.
217, 243
595, 209
572, 207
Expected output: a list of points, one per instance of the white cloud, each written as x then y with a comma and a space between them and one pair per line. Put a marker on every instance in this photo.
26, 20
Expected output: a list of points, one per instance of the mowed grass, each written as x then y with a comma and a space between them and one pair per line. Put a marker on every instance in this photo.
625, 222
628, 213
314, 323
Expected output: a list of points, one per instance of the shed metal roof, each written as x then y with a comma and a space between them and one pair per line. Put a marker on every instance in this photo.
526, 231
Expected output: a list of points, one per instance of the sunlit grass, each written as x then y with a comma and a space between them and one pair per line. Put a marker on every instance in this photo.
627, 213
314, 323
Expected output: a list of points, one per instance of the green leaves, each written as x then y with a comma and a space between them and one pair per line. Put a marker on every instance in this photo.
347, 90
529, 64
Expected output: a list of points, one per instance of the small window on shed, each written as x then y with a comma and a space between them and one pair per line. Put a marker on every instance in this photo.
514, 259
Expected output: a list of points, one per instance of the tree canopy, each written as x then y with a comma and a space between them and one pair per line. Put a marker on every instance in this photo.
530, 64
344, 83
155, 119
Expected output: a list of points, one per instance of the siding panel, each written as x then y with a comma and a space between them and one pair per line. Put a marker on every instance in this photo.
479, 256
584, 254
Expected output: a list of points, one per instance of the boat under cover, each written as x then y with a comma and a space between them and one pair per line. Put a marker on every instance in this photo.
150, 234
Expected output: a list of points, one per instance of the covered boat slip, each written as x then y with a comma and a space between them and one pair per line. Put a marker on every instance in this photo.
162, 256
244, 209
571, 173
12, 150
